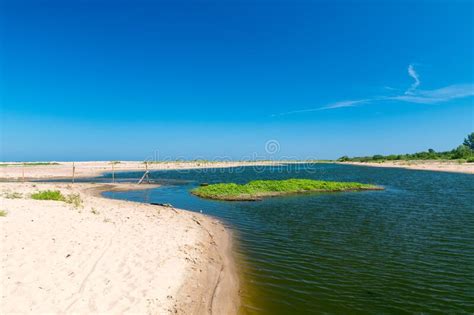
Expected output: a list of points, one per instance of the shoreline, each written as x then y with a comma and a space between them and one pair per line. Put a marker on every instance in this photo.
193, 271
221, 280
425, 165
64, 170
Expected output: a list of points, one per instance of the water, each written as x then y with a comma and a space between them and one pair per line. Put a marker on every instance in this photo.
407, 249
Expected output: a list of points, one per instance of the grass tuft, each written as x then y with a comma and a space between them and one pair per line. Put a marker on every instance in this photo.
256, 190
74, 199
13, 195
3, 213
48, 195
28, 164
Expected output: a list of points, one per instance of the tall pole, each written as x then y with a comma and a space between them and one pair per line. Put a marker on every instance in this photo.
73, 171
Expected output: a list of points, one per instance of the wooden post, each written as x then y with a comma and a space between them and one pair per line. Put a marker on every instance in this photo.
113, 172
73, 171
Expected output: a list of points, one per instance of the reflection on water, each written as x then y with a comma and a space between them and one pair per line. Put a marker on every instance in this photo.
409, 248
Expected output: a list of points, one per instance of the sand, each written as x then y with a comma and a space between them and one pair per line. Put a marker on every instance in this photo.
92, 169
441, 166
110, 256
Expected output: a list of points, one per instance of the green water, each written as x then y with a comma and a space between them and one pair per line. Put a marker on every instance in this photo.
407, 249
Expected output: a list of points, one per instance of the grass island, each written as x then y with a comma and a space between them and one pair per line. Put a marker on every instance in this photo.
258, 189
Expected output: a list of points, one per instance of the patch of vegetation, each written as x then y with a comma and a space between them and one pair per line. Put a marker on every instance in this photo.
94, 211
74, 199
28, 164
3, 213
13, 195
256, 190
48, 195
463, 153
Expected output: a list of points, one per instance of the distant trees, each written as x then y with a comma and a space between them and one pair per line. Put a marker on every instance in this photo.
469, 141
463, 152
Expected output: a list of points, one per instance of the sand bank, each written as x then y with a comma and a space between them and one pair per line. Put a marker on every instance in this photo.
110, 256
441, 166
11, 171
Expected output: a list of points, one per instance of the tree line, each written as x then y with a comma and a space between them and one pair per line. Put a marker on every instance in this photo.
464, 152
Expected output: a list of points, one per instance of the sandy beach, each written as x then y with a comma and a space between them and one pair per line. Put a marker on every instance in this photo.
110, 256
441, 166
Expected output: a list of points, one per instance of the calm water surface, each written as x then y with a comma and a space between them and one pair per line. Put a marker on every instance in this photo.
407, 249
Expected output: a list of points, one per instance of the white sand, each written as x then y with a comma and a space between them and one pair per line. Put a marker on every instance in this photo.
124, 258
441, 166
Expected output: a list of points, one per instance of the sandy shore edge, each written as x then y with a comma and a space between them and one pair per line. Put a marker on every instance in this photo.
193, 271
66, 170
218, 292
454, 167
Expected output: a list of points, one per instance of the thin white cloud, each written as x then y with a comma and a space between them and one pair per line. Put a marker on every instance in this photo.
329, 106
412, 73
412, 95
344, 104
439, 95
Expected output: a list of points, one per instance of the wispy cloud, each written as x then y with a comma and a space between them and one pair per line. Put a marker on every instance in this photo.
329, 106
344, 104
411, 95
437, 96
412, 73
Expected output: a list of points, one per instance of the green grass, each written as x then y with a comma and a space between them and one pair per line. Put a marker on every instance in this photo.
3, 213
28, 164
256, 190
49, 195
74, 199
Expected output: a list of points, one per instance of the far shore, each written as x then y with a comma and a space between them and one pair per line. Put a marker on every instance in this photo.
426, 165
64, 170
111, 256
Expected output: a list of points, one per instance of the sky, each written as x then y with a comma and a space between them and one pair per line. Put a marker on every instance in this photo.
135, 80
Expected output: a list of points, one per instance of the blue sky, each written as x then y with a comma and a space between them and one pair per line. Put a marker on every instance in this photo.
99, 80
